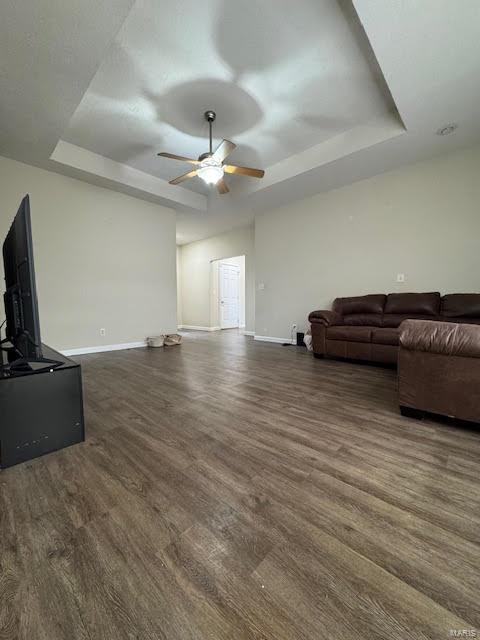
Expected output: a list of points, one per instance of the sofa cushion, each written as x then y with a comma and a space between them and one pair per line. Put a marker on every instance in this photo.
460, 320
386, 336
363, 320
372, 303
350, 334
395, 319
426, 304
457, 305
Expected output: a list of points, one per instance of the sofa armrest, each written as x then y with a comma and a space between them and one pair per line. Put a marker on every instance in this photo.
327, 318
446, 338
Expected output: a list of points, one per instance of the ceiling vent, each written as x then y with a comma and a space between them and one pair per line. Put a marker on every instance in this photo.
448, 128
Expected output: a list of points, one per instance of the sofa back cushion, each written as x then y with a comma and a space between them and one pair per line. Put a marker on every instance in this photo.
363, 320
460, 320
393, 320
409, 304
372, 303
461, 305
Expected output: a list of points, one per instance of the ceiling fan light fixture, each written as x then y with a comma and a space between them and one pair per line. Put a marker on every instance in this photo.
210, 171
210, 164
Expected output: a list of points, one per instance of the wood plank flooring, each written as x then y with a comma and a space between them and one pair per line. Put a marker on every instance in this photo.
231, 489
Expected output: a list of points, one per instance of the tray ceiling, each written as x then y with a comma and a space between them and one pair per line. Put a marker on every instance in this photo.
279, 86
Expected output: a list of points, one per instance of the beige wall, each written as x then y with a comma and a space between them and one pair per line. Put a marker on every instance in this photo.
196, 275
422, 220
103, 259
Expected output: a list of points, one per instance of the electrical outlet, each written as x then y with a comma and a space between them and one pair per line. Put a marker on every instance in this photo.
400, 277
102, 332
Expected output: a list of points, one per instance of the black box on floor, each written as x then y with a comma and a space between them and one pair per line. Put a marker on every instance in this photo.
300, 337
40, 412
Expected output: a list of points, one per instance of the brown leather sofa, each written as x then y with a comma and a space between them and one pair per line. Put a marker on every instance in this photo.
367, 327
439, 369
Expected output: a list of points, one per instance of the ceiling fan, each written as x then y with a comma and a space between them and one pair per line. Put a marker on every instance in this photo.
211, 168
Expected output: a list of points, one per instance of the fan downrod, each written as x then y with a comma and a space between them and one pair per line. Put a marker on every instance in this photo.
210, 116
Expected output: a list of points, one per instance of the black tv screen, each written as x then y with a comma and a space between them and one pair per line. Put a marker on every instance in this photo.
21, 305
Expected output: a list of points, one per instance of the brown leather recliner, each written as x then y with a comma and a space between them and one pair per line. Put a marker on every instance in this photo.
367, 327
439, 369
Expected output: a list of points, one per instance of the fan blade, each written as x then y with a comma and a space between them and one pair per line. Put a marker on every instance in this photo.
222, 186
186, 176
172, 156
244, 171
223, 150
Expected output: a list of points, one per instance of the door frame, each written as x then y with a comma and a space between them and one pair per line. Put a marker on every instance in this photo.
214, 293
219, 288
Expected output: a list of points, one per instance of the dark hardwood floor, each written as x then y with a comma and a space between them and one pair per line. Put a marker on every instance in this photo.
231, 489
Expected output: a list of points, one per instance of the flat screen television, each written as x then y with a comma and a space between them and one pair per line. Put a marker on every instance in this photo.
21, 305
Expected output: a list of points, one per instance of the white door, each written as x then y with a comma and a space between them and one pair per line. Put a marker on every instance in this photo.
229, 276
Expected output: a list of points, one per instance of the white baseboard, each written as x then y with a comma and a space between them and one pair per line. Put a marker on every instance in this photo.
270, 339
136, 345
195, 328
102, 348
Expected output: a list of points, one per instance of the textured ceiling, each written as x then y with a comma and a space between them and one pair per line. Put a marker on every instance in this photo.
49, 52
281, 77
321, 93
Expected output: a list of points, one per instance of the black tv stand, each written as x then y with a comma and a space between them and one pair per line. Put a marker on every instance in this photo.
28, 366
41, 406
